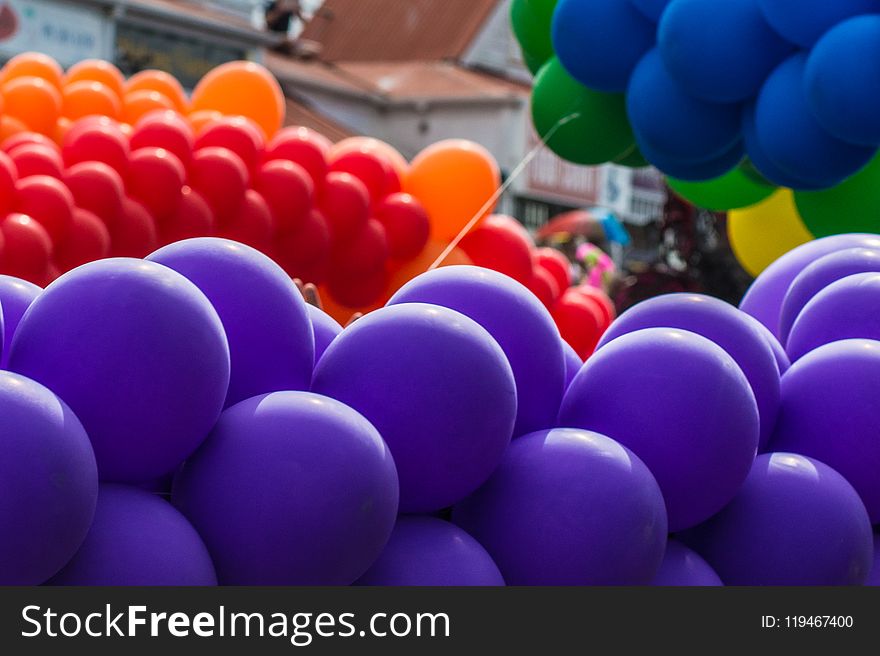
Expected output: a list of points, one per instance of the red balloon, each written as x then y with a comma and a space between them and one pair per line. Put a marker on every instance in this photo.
48, 201
502, 244
372, 169
134, 233
96, 139
28, 248
237, 133
363, 255
358, 292
37, 159
221, 178
8, 178
165, 129
253, 225
288, 190
192, 218
406, 223
579, 320
609, 312
544, 286
87, 240
155, 178
556, 263
27, 138
304, 252
97, 188
345, 201
305, 147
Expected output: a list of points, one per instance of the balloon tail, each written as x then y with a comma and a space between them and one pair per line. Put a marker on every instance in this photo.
504, 187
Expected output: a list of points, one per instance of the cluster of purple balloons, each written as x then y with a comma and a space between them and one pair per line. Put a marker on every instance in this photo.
188, 420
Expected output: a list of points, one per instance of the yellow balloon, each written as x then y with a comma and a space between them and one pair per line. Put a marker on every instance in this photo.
762, 233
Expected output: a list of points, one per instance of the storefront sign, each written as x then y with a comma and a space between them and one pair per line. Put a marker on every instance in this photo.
64, 30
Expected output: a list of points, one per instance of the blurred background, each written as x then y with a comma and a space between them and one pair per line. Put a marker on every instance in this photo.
410, 73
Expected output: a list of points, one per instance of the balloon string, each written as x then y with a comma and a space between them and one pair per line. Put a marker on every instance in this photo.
504, 187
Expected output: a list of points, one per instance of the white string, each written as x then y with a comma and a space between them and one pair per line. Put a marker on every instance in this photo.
498, 193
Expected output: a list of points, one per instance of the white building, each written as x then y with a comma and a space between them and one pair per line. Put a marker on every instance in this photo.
413, 73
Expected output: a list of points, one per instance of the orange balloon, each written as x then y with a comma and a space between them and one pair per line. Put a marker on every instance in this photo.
164, 83
90, 98
390, 153
243, 89
11, 126
202, 119
62, 127
137, 104
34, 64
423, 261
33, 101
97, 70
453, 179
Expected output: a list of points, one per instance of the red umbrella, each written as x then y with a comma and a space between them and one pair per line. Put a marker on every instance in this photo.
576, 222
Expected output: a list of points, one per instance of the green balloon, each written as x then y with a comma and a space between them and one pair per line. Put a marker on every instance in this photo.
731, 191
633, 159
532, 21
851, 206
533, 64
596, 130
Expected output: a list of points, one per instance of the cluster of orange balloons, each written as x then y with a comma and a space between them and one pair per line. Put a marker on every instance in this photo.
355, 217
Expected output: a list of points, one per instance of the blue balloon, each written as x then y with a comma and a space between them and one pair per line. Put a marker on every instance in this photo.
765, 166
719, 51
793, 139
804, 21
696, 171
600, 42
843, 81
653, 9
673, 124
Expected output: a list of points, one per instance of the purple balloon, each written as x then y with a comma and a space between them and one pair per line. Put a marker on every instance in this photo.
681, 404
325, 329
845, 309
782, 362
16, 296
291, 488
573, 363
517, 320
829, 412
795, 521
569, 507
48, 482
271, 345
684, 568
818, 275
439, 390
874, 576
723, 324
425, 551
764, 298
138, 353
138, 539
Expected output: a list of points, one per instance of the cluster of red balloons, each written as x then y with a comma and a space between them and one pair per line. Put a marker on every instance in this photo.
94, 165
582, 313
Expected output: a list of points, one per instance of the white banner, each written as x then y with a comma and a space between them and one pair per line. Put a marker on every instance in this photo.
63, 30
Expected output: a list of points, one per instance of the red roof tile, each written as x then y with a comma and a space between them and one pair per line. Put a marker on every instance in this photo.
397, 30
